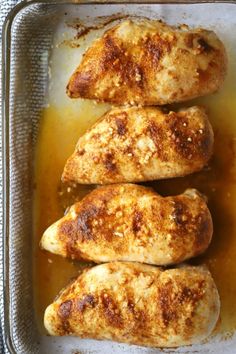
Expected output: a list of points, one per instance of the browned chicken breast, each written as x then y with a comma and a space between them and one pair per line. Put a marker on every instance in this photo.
141, 144
137, 304
150, 63
132, 223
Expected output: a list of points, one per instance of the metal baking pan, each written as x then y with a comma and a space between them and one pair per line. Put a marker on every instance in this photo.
42, 44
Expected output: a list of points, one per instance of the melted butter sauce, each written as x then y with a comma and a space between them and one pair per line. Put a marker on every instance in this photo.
57, 138
59, 132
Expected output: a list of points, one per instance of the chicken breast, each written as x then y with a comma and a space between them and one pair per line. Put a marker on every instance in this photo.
148, 62
137, 304
132, 223
140, 144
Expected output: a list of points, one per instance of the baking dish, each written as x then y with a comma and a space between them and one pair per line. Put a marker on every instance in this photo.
29, 33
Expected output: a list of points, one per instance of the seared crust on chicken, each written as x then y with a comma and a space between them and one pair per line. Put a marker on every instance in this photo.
147, 62
141, 144
132, 223
137, 304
